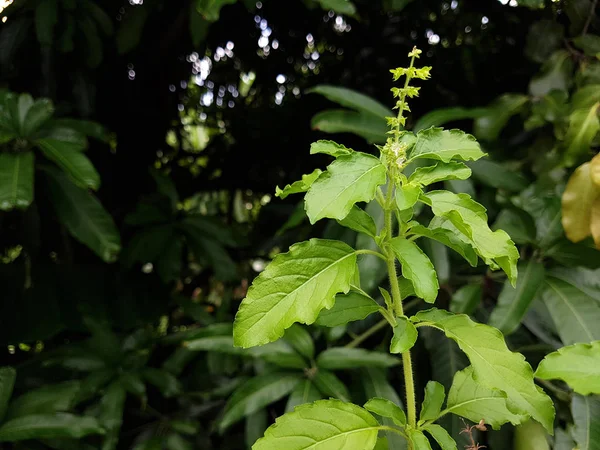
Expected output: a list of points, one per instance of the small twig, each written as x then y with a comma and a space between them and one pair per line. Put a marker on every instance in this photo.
468, 430
374, 329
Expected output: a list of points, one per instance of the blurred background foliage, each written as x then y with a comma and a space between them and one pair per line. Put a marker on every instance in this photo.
137, 203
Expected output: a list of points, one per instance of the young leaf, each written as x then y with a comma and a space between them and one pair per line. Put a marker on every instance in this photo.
407, 195
577, 365
324, 424
255, 394
417, 268
432, 404
294, 287
330, 385
73, 162
305, 392
7, 382
84, 216
352, 358
405, 335
386, 408
358, 220
49, 426
16, 180
586, 417
469, 399
329, 148
577, 201
352, 99
449, 239
583, 126
514, 302
466, 299
418, 440
494, 365
445, 145
349, 179
575, 314
298, 187
441, 436
470, 219
348, 308
440, 172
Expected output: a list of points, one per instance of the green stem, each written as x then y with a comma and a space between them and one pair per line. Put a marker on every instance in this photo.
371, 331
370, 252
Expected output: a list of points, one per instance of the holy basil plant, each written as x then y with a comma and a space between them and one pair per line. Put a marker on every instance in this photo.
313, 278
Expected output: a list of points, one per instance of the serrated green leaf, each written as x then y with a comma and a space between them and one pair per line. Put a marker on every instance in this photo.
434, 399
441, 436
257, 393
329, 148
352, 358
583, 127
449, 239
586, 417
488, 125
298, 187
368, 126
513, 302
7, 382
79, 168
349, 179
418, 440
386, 408
577, 365
16, 180
469, 218
439, 117
469, 399
407, 195
445, 145
466, 299
494, 365
352, 99
417, 268
359, 221
324, 424
405, 335
300, 339
84, 216
305, 392
49, 426
440, 172
294, 287
575, 314
348, 308
44, 400
330, 385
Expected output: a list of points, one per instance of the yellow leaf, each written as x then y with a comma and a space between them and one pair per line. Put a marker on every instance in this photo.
595, 169
577, 203
595, 222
